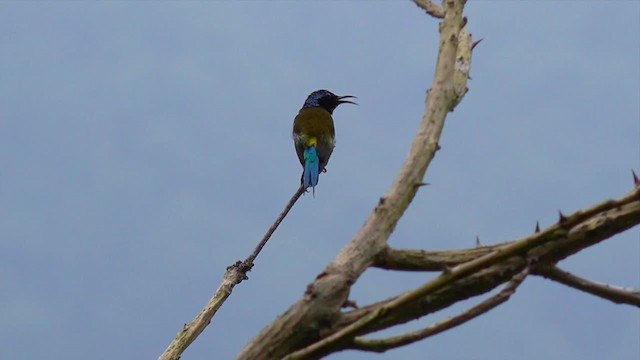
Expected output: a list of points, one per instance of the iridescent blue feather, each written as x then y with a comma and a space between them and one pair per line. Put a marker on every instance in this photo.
311, 168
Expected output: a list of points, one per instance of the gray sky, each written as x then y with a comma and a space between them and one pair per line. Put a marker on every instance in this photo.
145, 146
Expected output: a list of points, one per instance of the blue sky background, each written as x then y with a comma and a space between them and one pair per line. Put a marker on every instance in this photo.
145, 146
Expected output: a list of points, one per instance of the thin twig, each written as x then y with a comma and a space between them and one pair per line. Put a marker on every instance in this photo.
275, 225
616, 294
381, 345
234, 275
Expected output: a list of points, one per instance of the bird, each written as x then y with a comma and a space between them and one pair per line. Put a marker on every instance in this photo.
314, 134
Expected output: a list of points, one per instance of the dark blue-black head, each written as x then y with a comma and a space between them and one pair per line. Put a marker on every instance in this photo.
326, 100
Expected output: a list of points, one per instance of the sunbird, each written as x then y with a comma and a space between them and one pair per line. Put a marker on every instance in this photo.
314, 134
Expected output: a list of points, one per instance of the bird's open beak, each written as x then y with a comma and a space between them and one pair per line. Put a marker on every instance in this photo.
342, 101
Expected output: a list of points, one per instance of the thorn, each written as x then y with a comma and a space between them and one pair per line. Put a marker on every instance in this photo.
382, 201
475, 43
478, 241
636, 180
309, 291
562, 217
350, 304
532, 260
437, 147
421, 184
537, 227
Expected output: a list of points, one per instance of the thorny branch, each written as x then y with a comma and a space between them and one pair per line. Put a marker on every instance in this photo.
381, 345
569, 235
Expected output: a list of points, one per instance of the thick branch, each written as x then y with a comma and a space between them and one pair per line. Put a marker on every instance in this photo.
574, 233
382, 345
613, 293
422, 260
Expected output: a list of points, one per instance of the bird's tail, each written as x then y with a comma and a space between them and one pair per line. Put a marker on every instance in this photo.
311, 167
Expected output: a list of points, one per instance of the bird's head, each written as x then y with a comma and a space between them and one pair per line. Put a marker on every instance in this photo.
326, 100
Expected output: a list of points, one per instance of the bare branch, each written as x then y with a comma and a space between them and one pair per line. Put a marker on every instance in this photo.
275, 225
447, 278
580, 230
432, 9
234, 275
570, 228
422, 260
613, 293
381, 345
